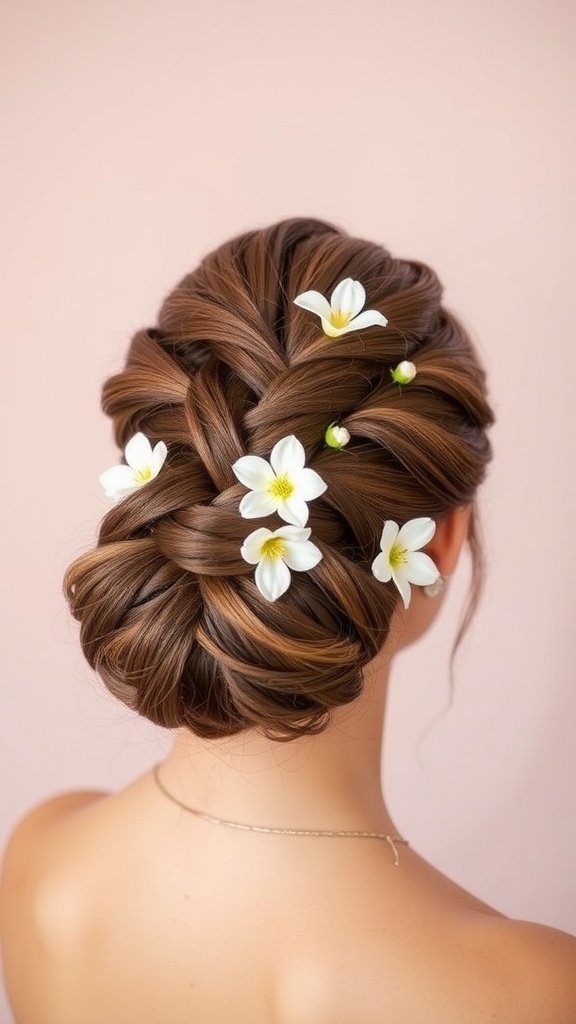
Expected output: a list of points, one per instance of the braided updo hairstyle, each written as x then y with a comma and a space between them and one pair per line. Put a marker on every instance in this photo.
170, 614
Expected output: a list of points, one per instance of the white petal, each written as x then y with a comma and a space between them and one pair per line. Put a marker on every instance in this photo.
369, 318
158, 457
421, 569
251, 549
138, 452
381, 568
315, 302
118, 481
301, 556
253, 472
272, 578
389, 534
309, 484
256, 504
403, 586
293, 533
287, 456
293, 510
348, 296
416, 533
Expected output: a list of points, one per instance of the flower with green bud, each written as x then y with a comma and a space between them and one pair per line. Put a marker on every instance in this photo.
335, 436
404, 372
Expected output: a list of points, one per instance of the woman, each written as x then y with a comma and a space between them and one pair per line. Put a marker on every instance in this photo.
305, 420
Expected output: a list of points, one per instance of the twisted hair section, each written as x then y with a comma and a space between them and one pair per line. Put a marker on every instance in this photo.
169, 613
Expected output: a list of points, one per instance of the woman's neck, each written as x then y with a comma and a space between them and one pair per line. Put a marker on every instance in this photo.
328, 781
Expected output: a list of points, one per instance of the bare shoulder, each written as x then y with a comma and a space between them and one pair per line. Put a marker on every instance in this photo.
33, 903
538, 969
35, 829
514, 971
494, 968
29, 852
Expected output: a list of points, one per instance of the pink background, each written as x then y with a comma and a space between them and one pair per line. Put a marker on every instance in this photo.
137, 136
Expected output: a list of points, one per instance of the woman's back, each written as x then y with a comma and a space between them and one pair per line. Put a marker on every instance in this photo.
124, 908
304, 432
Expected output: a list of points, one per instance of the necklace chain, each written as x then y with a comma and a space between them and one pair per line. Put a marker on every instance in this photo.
391, 840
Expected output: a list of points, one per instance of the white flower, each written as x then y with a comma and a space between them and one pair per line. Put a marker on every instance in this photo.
282, 485
404, 372
276, 552
400, 559
336, 437
143, 464
342, 313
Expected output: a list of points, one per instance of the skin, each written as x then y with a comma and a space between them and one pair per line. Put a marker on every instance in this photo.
121, 907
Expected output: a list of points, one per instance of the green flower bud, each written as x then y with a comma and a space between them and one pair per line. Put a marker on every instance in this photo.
404, 372
335, 436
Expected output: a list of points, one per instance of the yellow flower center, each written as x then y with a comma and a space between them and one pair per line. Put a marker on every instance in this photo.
273, 547
398, 556
144, 474
281, 487
340, 319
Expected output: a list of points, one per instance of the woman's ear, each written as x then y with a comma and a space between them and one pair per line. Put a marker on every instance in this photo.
446, 544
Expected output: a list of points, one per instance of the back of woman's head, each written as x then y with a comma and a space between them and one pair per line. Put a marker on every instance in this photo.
171, 617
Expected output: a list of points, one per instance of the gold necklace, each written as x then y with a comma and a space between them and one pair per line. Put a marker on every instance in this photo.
391, 840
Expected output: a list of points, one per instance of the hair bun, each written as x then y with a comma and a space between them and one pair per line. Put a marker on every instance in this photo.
170, 614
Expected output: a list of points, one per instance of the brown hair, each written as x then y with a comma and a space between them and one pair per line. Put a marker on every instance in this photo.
170, 615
